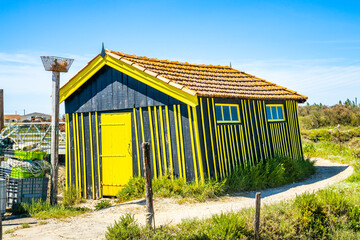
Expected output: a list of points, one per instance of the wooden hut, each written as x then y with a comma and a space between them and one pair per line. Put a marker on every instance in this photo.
202, 121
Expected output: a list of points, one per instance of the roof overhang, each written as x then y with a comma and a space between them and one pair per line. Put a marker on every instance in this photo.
159, 83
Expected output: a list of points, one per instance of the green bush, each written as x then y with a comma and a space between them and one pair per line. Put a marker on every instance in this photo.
102, 204
268, 173
125, 228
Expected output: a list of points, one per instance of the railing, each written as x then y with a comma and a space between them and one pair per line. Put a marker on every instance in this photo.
33, 135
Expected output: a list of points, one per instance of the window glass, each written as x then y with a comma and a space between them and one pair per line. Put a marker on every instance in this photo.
226, 112
234, 113
268, 112
280, 112
274, 114
218, 113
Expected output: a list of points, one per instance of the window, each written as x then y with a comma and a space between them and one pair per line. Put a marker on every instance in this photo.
275, 112
227, 113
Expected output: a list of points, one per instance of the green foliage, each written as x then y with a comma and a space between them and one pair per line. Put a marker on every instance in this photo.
125, 228
269, 173
70, 196
44, 210
318, 115
102, 204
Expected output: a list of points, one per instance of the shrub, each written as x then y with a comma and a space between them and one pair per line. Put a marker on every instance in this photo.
268, 173
102, 204
125, 228
70, 196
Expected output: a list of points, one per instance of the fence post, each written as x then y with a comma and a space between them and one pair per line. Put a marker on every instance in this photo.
0, 227
148, 185
257, 216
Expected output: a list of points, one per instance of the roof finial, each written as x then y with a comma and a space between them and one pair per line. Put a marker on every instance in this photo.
230, 64
102, 54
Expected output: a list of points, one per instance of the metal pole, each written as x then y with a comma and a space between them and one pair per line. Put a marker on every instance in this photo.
148, 185
1, 109
54, 137
257, 216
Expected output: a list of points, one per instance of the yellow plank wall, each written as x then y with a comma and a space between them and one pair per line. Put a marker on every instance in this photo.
171, 130
230, 145
186, 142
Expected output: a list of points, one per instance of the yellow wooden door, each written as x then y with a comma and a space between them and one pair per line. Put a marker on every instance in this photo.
116, 155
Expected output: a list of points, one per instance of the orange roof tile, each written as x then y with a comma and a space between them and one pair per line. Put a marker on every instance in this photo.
11, 116
210, 80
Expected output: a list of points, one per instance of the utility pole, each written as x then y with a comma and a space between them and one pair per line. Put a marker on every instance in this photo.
56, 65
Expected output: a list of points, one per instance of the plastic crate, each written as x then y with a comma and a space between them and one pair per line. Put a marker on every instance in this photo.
29, 155
26, 190
5, 172
20, 172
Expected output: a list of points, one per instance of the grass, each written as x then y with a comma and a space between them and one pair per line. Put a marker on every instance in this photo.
44, 210
102, 204
269, 173
328, 214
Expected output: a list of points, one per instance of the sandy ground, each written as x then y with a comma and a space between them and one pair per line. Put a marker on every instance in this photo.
93, 225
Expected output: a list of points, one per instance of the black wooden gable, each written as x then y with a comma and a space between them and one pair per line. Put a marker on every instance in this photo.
110, 89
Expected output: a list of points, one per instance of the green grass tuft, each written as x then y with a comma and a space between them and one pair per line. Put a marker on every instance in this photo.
102, 204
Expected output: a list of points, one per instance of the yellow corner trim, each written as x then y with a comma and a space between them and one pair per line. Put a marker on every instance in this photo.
97, 63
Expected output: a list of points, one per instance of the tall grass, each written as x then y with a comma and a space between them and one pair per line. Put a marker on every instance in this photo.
268, 173
44, 210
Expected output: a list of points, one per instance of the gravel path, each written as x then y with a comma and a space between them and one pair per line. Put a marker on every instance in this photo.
167, 211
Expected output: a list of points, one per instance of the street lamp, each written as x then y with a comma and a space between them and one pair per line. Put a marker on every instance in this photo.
56, 65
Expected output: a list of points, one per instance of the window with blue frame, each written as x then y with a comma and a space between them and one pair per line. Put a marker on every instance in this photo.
227, 113
275, 112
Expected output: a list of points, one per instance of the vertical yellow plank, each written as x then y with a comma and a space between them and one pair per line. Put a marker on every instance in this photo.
98, 153
152, 143
66, 152
226, 151
204, 136
217, 140
253, 134
262, 130
78, 154
298, 130
274, 144
92, 158
158, 140
84, 153
137, 141
169, 141
211, 138
241, 133
182, 144
257, 130
142, 125
248, 133
236, 145
163, 138
192, 144
177, 140
75, 154
289, 130
197, 138
231, 145
292, 127
222, 151
267, 130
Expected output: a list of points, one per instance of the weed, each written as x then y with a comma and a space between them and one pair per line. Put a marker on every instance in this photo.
125, 228
12, 230
25, 225
71, 196
44, 210
102, 204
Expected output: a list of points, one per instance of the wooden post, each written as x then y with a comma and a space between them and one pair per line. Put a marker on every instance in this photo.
0, 227
54, 137
257, 216
148, 185
1, 109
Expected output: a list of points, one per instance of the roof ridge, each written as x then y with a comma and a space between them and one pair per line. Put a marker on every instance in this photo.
168, 61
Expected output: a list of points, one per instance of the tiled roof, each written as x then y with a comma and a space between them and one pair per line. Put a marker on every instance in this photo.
11, 116
210, 80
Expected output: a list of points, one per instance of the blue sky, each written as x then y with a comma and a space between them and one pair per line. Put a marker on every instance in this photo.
312, 47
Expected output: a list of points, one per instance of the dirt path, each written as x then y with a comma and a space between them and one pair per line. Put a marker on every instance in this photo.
93, 225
